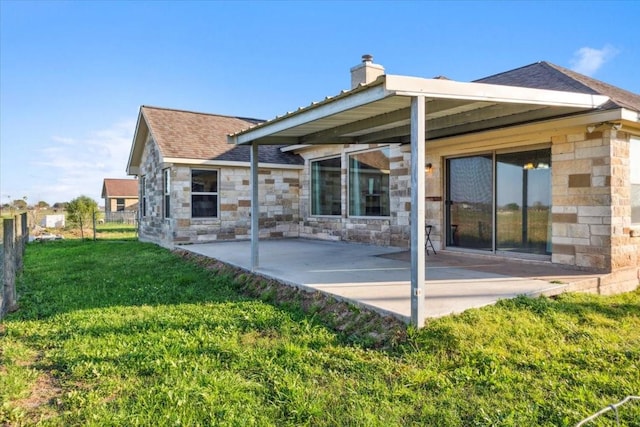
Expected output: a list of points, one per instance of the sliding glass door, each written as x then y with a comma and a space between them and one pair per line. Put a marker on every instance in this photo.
500, 202
523, 199
470, 202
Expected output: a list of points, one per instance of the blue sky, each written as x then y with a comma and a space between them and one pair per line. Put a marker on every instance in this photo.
74, 74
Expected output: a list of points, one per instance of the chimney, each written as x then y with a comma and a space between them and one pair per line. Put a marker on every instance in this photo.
366, 72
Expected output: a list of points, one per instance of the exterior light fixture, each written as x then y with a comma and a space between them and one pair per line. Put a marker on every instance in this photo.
428, 168
528, 166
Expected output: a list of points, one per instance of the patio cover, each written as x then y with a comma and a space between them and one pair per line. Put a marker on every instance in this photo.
401, 109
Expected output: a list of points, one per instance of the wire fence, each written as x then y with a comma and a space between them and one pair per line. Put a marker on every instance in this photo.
613, 407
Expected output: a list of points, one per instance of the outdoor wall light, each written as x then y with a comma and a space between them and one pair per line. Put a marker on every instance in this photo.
428, 168
591, 128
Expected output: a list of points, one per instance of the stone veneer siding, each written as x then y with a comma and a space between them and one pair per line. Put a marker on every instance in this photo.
591, 201
279, 208
385, 231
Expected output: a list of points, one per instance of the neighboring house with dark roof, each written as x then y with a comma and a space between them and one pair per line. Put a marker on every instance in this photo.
120, 195
194, 186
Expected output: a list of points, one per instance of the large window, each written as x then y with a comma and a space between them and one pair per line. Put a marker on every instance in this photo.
143, 199
204, 193
166, 191
634, 165
325, 187
369, 183
119, 205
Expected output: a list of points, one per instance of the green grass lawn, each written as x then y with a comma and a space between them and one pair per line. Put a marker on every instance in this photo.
122, 333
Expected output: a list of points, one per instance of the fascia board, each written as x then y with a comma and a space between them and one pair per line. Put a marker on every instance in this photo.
135, 152
449, 89
168, 161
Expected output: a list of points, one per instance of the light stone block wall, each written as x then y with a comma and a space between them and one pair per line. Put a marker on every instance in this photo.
279, 203
152, 227
591, 201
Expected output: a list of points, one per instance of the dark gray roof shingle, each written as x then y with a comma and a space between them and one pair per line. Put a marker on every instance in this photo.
545, 75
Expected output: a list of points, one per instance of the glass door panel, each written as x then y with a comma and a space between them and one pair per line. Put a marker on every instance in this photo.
470, 202
523, 198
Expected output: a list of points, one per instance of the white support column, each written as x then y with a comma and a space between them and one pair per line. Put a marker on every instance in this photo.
418, 268
255, 208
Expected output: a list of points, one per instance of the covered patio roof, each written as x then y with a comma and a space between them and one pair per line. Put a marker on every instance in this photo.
380, 112
401, 109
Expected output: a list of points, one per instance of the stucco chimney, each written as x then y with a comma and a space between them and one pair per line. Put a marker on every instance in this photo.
366, 72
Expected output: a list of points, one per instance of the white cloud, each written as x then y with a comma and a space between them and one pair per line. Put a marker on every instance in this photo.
75, 166
588, 60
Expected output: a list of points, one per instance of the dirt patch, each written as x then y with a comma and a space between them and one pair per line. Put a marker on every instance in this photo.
43, 399
355, 324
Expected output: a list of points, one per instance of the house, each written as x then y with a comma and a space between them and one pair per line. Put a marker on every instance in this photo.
536, 162
194, 186
120, 195
539, 162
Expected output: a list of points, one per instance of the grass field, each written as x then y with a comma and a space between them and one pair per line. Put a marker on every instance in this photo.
121, 333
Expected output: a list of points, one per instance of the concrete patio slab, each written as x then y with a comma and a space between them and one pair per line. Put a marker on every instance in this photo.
379, 277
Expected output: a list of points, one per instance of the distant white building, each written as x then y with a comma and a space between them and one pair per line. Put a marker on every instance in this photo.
53, 221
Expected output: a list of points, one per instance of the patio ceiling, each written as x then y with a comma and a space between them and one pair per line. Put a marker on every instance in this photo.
380, 112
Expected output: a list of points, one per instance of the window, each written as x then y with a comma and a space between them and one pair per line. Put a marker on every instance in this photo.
634, 166
369, 183
143, 194
204, 193
325, 187
119, 205
166, 185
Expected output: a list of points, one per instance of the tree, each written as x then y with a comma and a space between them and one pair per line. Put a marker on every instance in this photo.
60, 206
42, 205
80, 212
20, 204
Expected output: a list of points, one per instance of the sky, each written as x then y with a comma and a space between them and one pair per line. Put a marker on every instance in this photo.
74, 74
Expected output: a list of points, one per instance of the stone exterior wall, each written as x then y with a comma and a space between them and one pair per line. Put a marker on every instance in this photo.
391, 231
591, 201
279, 206
152, 226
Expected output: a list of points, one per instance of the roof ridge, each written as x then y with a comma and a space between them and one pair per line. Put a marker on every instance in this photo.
252, 119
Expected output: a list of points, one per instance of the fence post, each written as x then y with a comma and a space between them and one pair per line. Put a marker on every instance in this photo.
8, 301
18, 242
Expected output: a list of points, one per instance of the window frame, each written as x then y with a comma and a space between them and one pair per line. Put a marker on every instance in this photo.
206, 193
349, 184
143, 198
634, 179
166, 192
312, 186
120, 204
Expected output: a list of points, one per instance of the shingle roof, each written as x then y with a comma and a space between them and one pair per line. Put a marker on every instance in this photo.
113, 187
191, 135
545, 75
